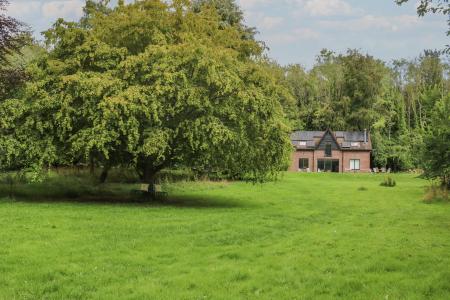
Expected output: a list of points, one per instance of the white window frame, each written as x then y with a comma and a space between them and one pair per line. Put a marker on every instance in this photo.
355, 163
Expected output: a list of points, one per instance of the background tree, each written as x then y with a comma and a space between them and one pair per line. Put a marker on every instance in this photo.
353, 91
436, 154
13, 34
230, 15
13, 37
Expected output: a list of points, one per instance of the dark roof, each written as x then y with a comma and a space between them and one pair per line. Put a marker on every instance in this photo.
348, 140
306, 135
351, 136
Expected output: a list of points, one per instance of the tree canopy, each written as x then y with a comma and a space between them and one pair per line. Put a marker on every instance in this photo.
151, 85
437, 143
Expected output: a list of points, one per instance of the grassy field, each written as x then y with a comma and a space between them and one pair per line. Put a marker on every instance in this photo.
307, 236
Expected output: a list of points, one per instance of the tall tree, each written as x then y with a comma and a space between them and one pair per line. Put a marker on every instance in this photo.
436, 154
152, 84
354, 91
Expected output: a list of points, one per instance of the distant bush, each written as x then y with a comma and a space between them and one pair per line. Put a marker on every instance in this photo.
436, 193
362, 188
388, 182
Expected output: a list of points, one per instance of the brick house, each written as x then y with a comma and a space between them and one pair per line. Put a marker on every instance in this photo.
328, 151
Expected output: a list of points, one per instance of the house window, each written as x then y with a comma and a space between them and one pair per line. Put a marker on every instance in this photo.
354, 164
355, 144
328, 150
303, 163
328, 165
302, 143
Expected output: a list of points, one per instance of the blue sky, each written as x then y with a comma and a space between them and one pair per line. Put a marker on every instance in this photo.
296, 30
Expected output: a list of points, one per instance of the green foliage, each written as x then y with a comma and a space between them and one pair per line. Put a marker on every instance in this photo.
13, 34
154, 84
436, 154
388, 181
229, 12
341, 92
436, 193
149, 84
17, 49
353, 91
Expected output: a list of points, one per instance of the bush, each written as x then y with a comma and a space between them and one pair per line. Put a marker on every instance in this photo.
436, 193
362, 188
388, 182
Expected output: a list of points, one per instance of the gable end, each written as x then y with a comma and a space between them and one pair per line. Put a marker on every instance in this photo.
328, 137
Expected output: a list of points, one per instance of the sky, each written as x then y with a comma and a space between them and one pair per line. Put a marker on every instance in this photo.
296, 30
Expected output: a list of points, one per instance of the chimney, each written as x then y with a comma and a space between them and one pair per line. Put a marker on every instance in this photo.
365, 136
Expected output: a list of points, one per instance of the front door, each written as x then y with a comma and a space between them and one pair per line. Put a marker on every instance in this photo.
328, 165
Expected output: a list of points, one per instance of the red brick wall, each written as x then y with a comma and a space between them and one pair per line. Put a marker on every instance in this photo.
320, 154
296, 157
343, 157
363, 156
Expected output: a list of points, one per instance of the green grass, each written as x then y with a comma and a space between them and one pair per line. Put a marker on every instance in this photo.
307, 236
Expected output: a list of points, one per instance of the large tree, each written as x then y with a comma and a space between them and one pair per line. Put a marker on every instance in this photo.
151, 84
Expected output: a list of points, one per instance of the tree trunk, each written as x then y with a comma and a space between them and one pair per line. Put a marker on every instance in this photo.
92, 166
104, 174
150, 171
149, 174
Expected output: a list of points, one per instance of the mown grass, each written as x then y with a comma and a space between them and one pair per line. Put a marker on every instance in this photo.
307, 236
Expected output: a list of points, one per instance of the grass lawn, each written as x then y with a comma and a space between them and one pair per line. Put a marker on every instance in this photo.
307, 236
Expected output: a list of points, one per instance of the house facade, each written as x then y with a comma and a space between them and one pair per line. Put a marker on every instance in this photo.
328, 151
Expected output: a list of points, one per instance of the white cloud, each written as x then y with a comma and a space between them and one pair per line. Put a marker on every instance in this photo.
248, 4
63, 9
329, 8
262, 21
370, 22
270, 22
22, 9
295, 35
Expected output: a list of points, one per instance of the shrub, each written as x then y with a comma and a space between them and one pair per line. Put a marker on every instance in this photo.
362, 188
436, 193
388, 182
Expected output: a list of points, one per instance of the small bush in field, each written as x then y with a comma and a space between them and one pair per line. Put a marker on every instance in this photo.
388, 182
362, 189
436, 193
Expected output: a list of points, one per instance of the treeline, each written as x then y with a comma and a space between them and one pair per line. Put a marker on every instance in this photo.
157, 84
396, 101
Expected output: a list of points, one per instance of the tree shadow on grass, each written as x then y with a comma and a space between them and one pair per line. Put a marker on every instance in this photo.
189, 201
203, 202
